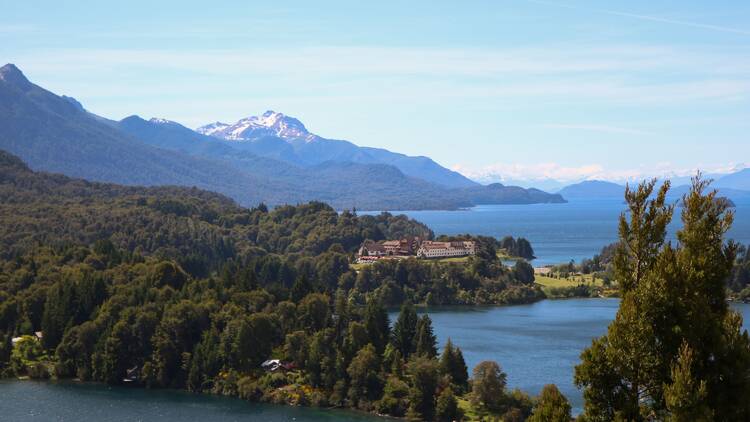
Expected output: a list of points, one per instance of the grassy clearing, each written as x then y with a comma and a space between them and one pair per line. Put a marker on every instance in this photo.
473, 414
560, 287
570, 281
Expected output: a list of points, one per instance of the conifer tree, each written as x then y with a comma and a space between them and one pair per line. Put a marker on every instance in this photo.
452, 364
671, 296
446, 409
425, 340
377, 324
300, 289
424, 377
552, 406
405, 330
686, 396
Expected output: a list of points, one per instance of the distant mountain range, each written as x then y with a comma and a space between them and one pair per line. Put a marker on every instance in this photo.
270, 158
729, 186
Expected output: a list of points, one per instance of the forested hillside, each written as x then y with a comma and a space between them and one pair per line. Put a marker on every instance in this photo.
178, 287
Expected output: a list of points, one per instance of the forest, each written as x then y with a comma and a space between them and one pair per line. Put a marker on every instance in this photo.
181, 288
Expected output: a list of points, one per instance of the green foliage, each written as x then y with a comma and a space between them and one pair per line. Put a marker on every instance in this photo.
181, 288
517, 247
453, 365
365, 381
395, 399
446, 409
424, 377
674, 341
425, 342
523, 271
405, 330
551, 406
488, 385
377, 325
686, 396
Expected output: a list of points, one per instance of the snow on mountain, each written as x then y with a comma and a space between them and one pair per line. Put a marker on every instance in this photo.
269, 123
211, 128
278, 136
161, 121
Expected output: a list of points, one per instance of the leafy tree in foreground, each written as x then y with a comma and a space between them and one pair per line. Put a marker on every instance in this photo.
674, 342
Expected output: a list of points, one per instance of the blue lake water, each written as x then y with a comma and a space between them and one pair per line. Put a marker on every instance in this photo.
558, 232
88, 402
535, 344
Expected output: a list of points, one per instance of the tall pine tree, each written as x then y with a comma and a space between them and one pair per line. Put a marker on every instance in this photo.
672, 297
405, 330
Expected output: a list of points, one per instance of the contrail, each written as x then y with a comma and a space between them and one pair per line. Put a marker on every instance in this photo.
648, 18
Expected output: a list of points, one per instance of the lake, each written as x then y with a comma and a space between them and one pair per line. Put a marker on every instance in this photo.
557, 232
88, 402
535, 344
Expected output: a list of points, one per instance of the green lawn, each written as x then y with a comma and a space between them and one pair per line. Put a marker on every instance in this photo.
472, 414
571, 281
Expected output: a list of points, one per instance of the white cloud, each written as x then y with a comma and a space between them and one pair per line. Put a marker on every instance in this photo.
541, 172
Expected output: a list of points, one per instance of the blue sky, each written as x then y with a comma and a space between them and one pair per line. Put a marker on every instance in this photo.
519, 90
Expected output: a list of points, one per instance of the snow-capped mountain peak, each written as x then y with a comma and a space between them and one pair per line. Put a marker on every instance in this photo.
211, 128
269, 123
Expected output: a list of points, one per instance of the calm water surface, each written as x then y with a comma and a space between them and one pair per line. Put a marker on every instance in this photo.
558, 232
535, 344
84, 402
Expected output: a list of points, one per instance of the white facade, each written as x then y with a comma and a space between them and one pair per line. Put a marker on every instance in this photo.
446, 249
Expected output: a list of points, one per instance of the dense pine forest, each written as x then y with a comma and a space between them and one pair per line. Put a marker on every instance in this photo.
181, 288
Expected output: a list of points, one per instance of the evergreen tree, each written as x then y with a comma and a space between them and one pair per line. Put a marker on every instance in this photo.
377, 324
686, 397
365, 382
395, 399
59, 310
452, 364
405, 330
424, 376
425, 340
671, 296
552, 406
446, 409
300, 289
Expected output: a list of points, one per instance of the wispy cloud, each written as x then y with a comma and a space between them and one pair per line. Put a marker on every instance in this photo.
651, 18
625, 74
598, 128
